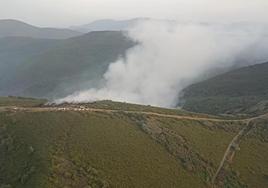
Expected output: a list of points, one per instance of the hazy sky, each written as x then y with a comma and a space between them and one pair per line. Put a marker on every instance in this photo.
74, 12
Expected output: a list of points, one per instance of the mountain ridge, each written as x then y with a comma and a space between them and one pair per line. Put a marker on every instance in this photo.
10, 27
109, 25
244, 90
56, 68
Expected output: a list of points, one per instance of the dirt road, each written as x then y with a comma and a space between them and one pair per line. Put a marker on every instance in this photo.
57, 109
234, 146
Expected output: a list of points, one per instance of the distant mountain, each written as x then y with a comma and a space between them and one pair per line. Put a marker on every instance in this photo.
17, 28
55, 68
244, 90
108, 25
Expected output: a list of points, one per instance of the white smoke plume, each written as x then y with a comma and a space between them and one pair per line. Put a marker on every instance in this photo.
169, 57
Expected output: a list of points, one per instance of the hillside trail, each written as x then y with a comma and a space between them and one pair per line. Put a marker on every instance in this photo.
234, 146
59, 109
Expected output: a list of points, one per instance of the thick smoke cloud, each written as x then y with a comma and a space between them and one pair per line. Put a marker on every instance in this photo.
170, 57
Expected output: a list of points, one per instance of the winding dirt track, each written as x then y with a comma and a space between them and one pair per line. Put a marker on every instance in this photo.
230, 151
234, 146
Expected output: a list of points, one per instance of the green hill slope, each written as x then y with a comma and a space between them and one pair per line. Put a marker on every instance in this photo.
42, 68
15, 52
102, 145
240, 91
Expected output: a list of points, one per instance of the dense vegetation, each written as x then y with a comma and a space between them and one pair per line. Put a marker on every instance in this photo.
126, 147
240, 91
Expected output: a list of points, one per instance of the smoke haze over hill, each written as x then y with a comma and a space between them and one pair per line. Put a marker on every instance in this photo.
201, 39
169, 58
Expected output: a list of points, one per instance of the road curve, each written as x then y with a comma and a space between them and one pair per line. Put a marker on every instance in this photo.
234, 145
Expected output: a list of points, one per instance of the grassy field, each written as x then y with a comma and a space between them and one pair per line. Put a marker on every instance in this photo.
118, 151
82, 149
19, 101
207, 138
251, 161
